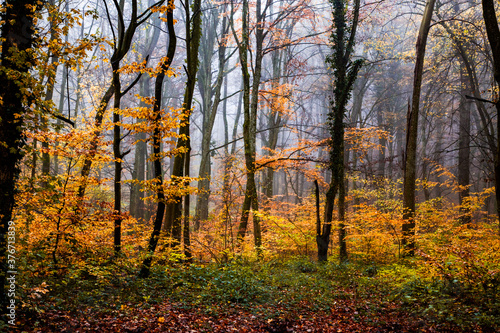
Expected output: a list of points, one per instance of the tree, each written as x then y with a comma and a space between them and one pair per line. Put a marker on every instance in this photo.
50, 85
137, 205
181, 165
464, 138
122, 44
464, 146
250, 104
157, 136
410, 163
345, 71
470, 84
211, 97
264, 27
122, 41
17, 34
493, 32
121, 47
277, 94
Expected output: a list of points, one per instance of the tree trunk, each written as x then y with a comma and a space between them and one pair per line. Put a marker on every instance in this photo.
345, 72
209, 113
51, 78
61, 104
121, 48
118, 156
118, 159
360, 88
464, 148
493, 32
250, 120
157, 138
229, 159
181, 161
410, 163
382, 144
137, 205
17, 34
274, 120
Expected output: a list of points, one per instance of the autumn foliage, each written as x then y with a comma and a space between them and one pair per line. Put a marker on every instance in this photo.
111, 137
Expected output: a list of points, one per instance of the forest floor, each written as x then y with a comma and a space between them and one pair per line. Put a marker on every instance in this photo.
170, 317
278, 296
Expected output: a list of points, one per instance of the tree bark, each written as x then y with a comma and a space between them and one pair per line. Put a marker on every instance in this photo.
16, 58
48, 97
157, 138
467, 83
137, 204
464, 142
274, 121
410, 163
117, 154
345, 72
181, 161
209, 111
118, 159
493, 32
382, 143
250, 106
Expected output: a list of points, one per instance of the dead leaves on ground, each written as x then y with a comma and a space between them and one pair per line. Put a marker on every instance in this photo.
343, 317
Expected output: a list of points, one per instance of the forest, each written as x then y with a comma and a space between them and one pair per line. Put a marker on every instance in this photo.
250, 166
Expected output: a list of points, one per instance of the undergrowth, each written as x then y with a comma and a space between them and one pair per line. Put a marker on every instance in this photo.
461, 293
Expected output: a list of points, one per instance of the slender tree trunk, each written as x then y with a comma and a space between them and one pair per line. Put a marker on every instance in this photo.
186, 230
274, 120
181, 161
210, 111
250, 106
51, 78
243, 51
118, 159
121, 48
34, 160
410, 163
382, 143
137, 205
493, 32
118, 156
464, 148
229, 159
360, 87
157, 139
345, 73
62, 98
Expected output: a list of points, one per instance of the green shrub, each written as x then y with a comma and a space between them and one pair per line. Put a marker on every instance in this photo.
462, 291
